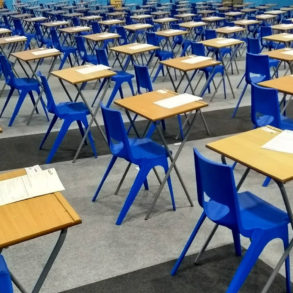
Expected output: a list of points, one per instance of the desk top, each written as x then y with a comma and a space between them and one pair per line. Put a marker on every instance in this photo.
165, 20
212, 18
72, 75
221, 42
171, 33
12, 39
283, 37
90, 17
283, 84
111, 21
40, 53
34, 217
246, 22
144, 105
137, 26
55, 23
134, 48
265, 16
246, 149
36, 19
75, 29
285, 54
183, 66
226, 30
192, 24
102, 36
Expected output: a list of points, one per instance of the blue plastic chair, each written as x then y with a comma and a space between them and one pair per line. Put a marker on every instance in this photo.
243, 213
66, 50
25, 86
69, 112
82, 52
19, 30
267, 31
5, 279
199, 50
96, 27
257, 70
154, 40
40, 37
143, 152
119, 78
121, 31
254, 47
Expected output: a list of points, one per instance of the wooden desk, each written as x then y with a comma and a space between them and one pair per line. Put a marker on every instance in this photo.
144, 105
168, 34
284, 27
212, 20
141, 17
191, 25
265, 17
131, 50
94, 40
14, 41
24, 220
228, 30
233, 14
283, 55
165, 21
74, 77
245, 148
184, 16
135, 28
5, 32
281, 38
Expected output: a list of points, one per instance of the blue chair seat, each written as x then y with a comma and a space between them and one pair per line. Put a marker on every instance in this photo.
122, 75
256, 213
21, 83
71, 109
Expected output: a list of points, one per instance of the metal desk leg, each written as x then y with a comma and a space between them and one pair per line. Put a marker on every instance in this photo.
173, 161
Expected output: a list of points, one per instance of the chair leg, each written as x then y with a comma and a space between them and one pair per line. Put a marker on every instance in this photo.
33, 100
266, 182
239, 101
247, 263
237, 243
90, 137
165, 166
111, 164
139, 180
99, 91
287, 264
65, 55
48, 131
7, 100
180, 127
188, 243
58, 140
17, 107
113, 94
238, 85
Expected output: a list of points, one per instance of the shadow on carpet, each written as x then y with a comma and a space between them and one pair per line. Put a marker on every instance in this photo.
23, 151
212, 275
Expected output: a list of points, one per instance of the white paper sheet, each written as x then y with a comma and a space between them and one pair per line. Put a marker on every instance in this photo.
283, 142
232, 28
27, 186
107, 35
225, 41
111, 21
177, 101
288, 36
92, 68
196, 59
4, 30
78, 28
162, 91
288, 52
140, 46
171, 31
46, 51
33, 170
15, 38
59, 22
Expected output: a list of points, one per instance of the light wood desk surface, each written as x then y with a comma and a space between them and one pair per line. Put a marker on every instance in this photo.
73, 14
137, 26
177, 63
184, 15
265, 16
90, 17
21, 16
111, 22
102, 37
246, 149
29, 55
129, 49
12, 39
165, 20
286, 9
219, 43
280, 54
212, 18
233, 13
34, 217
283, 84
282, 38
275, 12
141, 16
35, 19
248, 10
283, 27
171, 33
246, 22
72, 75
55, 23
144, 105
226, 30
4, 31
192, 24
75, 29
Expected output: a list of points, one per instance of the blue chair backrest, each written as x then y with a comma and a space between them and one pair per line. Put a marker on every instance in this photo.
197, 49
253, 46
122, 32
5, 279
265, 104
115, 132
102, 57
216, 191
75, 21
39, 33
51, 106
18, 27
257, 64
185, 45
265, 31
210, 34
143, 79
6, 21
96, 27
152, 38
81, 47
7, 70
55, 39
